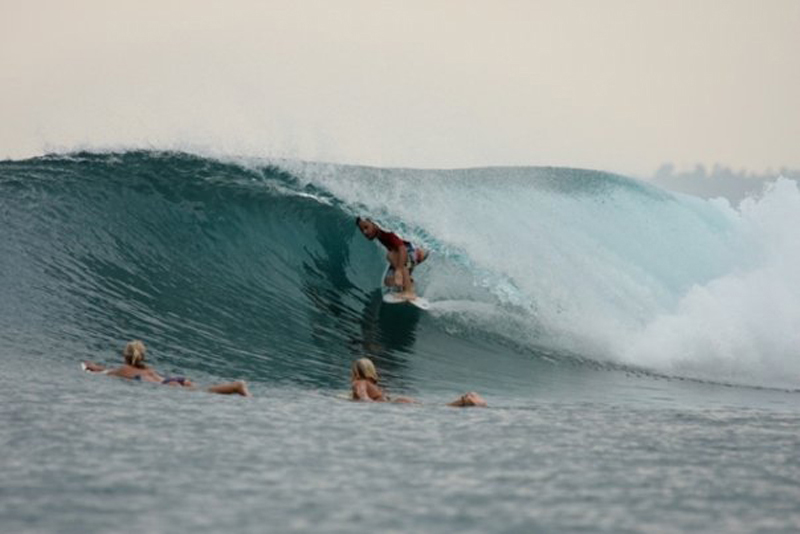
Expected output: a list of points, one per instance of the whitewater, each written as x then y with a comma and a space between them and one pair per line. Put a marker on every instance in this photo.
638, 349
602, 266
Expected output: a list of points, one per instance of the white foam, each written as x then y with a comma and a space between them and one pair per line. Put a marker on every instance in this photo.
602, 266
745, 324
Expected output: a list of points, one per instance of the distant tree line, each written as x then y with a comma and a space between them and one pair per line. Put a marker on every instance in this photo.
719, 182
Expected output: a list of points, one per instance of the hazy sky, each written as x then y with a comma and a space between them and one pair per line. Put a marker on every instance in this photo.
617, 85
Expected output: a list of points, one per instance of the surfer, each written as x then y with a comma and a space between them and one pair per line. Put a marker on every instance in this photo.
365, 388
364, 381
135, 368
402, 256
468, 399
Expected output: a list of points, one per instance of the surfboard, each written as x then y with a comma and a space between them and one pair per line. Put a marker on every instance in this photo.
420, 302
390, 294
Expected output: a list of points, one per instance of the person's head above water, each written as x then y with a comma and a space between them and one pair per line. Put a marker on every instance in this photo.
469, 399
134, 354
367, 227
363, 369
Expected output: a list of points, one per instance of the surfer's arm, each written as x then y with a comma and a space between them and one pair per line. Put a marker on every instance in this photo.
94, 367
103, 370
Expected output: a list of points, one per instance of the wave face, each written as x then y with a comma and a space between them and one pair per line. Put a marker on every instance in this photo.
255, 267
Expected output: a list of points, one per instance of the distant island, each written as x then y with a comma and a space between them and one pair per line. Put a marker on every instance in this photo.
719, 182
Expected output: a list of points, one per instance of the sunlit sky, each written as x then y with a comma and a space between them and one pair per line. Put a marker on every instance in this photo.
615, 85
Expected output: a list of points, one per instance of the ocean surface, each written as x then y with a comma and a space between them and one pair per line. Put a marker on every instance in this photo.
638, 350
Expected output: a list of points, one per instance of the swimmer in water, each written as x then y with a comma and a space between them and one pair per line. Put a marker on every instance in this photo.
365, 388
402, 256
135, 368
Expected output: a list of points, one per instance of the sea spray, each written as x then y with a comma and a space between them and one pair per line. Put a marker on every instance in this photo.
602, 266
742, 325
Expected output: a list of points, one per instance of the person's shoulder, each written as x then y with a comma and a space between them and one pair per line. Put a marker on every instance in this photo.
374, 390
129, 371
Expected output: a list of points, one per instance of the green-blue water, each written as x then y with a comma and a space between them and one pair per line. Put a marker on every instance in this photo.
637, 351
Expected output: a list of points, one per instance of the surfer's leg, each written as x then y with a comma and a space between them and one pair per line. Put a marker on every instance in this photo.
396, 270
392, 279
403, 262
231, 388
406, 284
413, 257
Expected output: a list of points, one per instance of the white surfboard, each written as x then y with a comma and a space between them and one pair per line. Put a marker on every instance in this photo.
420, 302
390, 295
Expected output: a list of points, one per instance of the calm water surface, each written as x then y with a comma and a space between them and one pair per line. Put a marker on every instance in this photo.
87, 453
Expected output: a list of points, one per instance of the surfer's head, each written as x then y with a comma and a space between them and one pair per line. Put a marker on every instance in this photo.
469, 399
363, 369
367, 227
134, 354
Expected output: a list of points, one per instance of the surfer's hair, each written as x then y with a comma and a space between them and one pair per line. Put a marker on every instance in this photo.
363, 369
134, 354
359, 219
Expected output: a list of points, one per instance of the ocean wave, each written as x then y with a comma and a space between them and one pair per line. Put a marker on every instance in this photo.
256, 267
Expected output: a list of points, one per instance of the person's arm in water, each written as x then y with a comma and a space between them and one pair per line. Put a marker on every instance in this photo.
93, 367
101, 369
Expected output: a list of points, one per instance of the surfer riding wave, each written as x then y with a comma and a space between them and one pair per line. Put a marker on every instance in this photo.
402, 256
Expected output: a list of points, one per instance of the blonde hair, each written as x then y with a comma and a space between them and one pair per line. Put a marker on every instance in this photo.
134, 354
363, 369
